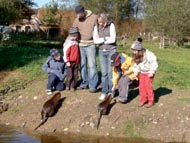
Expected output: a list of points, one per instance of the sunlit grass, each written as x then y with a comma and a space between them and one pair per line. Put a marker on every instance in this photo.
173, 71
174, 64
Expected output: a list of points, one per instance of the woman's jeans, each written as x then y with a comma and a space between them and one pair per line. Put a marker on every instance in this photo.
106, 70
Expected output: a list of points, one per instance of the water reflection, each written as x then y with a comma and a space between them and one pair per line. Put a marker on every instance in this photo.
74, 138
9, 135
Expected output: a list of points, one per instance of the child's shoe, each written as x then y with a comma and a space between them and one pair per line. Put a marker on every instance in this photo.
150, 104
67, 88
72, 89
48, 91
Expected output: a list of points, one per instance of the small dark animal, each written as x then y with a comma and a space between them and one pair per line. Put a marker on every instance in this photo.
103, 107
49, 108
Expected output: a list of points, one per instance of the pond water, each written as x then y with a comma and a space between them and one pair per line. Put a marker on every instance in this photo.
10, 135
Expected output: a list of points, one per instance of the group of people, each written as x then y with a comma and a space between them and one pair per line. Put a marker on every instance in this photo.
118, 71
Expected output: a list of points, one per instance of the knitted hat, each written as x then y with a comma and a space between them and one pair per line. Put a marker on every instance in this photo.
140, 39
73, 31
79, 9
114, 59
54, 52
137, 45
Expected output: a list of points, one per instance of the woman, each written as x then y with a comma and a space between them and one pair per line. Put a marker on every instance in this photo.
104, 36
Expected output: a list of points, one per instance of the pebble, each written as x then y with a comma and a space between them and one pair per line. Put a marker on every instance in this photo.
92, 125
155, 122
23, 125
82, 125
35, 97
113, 127
87, 123
66, 129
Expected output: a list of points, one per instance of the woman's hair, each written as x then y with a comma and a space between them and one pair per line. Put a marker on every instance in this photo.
103, 16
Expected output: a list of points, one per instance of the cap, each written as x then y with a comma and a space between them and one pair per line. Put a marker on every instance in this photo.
114, 59
54, 52
79, 9
137, 45
73, 31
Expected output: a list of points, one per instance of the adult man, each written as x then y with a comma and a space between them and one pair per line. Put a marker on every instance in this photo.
85, 22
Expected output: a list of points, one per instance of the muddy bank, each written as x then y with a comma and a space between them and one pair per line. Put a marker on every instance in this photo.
167, 120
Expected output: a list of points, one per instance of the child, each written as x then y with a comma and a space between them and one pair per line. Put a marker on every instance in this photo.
122, 73
72, 58
145, 66
55, 67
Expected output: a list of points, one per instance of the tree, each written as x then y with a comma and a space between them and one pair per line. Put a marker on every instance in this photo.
168, 17
14, 10
51, 15
117, 9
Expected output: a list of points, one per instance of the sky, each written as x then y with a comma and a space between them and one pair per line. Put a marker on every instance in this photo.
40, 3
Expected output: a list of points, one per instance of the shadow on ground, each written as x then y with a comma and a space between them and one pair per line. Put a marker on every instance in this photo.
161, 91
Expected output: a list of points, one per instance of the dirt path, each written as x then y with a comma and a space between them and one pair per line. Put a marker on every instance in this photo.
168, 120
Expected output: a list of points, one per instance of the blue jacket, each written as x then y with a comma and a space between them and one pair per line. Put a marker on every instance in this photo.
51, 66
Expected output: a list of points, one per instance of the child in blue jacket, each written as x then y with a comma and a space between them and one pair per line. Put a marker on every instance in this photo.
55, 67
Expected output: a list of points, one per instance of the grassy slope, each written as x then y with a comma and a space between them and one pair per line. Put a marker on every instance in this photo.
173, 62
26, 61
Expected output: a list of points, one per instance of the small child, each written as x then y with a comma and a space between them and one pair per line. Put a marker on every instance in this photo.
145, 66
72, 58
55, 67
122, 72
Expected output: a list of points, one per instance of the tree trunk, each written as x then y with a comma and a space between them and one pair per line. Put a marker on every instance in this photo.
47, 34
161, 44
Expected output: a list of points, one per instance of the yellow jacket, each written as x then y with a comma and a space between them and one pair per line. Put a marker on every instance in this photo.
126, 68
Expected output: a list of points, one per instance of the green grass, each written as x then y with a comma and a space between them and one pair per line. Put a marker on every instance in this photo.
184, 99
134, 127
28, 57
174, 65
